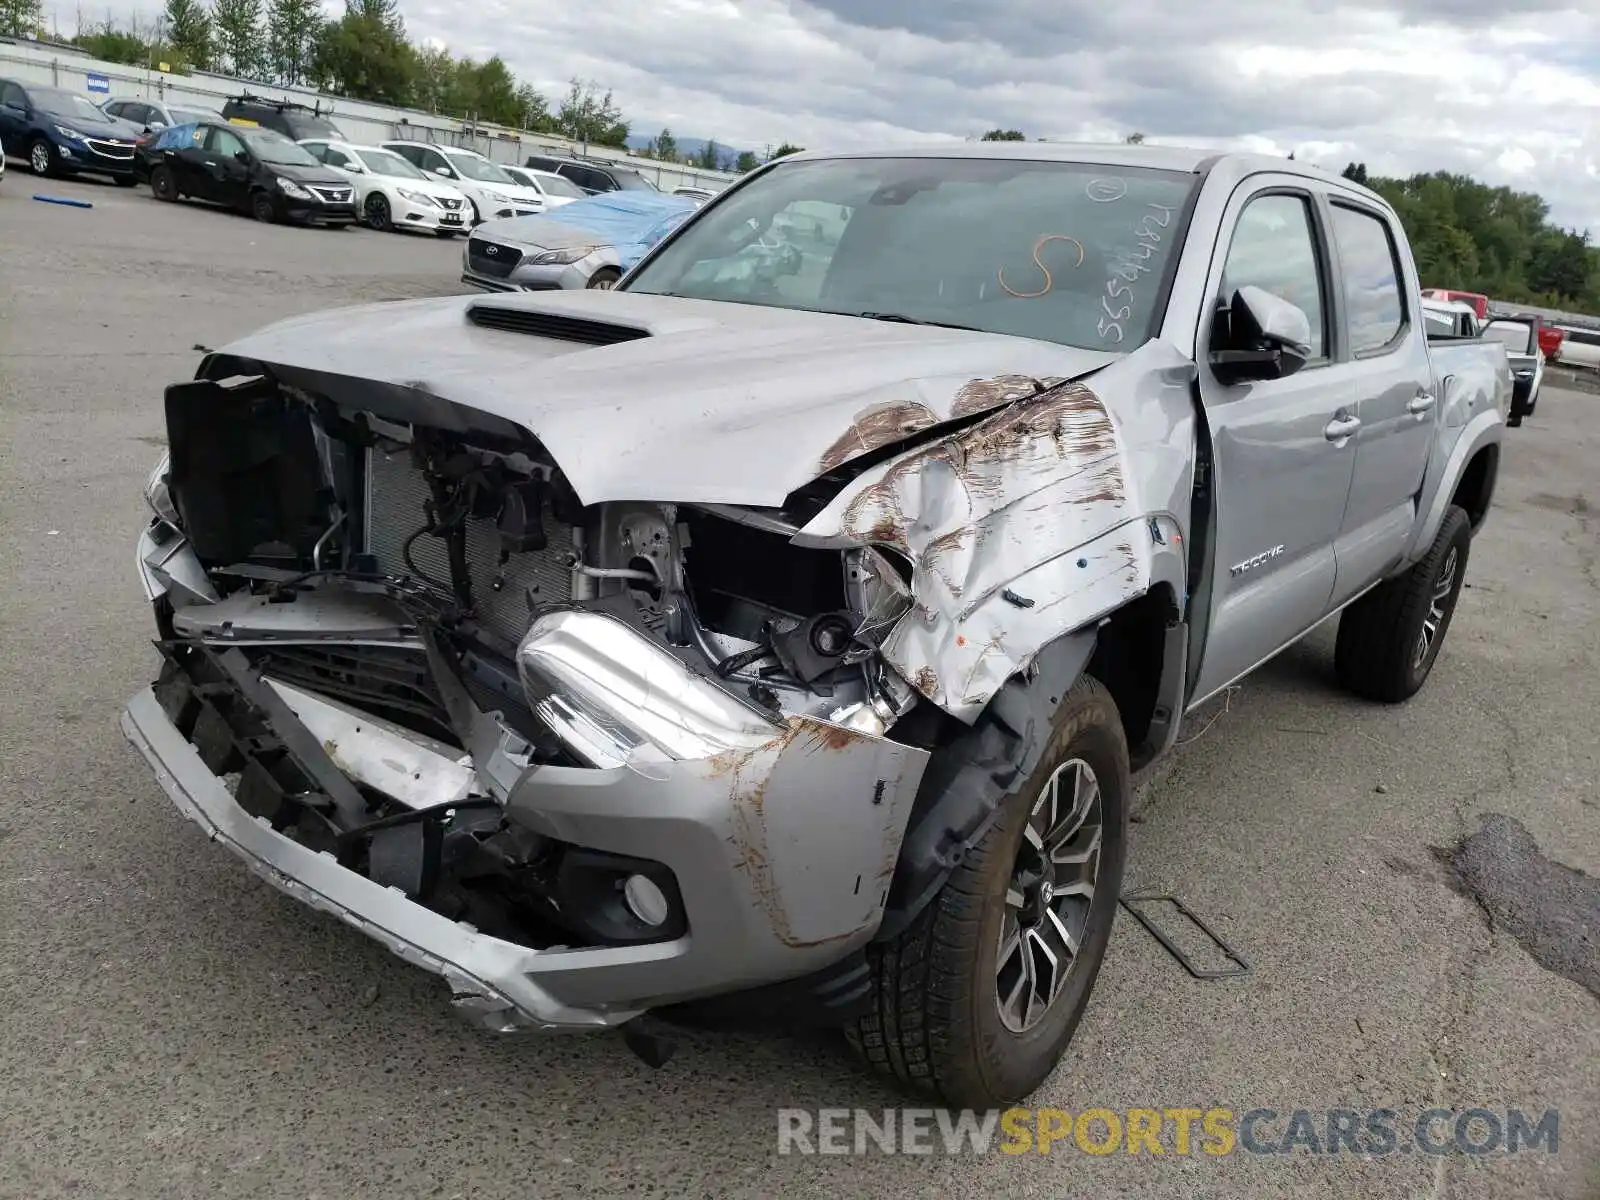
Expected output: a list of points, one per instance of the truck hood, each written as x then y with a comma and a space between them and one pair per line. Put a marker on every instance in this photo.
705, 403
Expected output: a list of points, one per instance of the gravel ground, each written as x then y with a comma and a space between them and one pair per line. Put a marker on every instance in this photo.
172, 1027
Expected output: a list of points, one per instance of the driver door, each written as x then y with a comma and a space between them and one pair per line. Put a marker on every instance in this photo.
1280, 479
225, 175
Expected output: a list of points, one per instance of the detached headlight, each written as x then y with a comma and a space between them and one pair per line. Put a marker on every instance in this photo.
156, 493
417, 198
552, 258
72, 135
878, 591
290, 188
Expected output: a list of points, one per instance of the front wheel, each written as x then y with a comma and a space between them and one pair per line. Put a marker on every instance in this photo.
975, 1002
41, 158
1390, 638
603, 280
262, 208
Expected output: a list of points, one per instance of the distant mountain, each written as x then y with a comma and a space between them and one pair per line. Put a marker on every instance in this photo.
688, 147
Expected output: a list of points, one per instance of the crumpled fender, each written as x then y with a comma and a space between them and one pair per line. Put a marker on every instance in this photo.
1033, 522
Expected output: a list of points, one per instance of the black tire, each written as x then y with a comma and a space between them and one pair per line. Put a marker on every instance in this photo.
377, 214
163, 184
42, 158
936, 1023
604, 279
1380, 653
475, 219
262, 208
124, 180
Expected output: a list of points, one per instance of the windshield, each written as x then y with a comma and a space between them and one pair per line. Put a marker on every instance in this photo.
310, 126
480, 169
627, 181
381, 162
274, 148
189, 116
1513, 335
69, 104
558, 185
1064, 252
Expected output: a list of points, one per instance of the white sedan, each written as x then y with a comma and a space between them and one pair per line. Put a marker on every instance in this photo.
390, 192
556, 189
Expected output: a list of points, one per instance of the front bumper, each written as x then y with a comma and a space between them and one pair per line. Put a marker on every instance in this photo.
782, 852
316, 212
523, 278
80, 156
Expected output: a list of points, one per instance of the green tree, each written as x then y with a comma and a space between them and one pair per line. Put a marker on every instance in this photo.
113, 44
240, 25
746, 162
709, 157
495, 91
365, 55
1356, 172
586, 116
18, 18
664, 146
533, 110
1134, 139
292, 32
1003, 135
189, 32
785, 150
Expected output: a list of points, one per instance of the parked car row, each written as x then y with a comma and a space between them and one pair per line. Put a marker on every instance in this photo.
60, 132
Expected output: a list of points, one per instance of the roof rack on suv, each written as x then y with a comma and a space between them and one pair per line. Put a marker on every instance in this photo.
283, 105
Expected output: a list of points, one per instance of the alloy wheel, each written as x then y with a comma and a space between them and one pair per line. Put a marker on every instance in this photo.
1438, 608
1049, 895
39, 158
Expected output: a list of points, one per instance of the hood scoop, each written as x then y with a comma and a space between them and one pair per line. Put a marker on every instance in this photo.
553, 325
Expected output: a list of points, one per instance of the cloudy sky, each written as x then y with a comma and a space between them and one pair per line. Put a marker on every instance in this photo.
1506, 90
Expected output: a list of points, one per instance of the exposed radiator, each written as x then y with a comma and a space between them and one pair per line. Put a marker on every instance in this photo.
395, 510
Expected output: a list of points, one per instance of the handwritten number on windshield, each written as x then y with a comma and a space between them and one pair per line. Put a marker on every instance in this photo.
1128, 264
1049, 280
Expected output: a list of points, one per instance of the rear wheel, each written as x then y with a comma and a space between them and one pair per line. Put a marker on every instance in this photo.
377, 212
604, 279
163, 185
975, 1002
1390, 638
42, 158
262, 208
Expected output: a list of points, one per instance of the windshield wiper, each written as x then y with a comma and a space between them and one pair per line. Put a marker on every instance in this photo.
903, 319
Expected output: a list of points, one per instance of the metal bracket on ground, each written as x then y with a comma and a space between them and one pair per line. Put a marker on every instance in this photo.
1240, 967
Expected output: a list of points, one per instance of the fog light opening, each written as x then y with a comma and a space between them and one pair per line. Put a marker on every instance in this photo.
646, 900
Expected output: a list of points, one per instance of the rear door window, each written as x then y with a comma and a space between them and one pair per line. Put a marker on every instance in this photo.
1374, 307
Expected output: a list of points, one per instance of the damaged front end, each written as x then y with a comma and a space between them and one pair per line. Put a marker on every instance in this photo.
586, 760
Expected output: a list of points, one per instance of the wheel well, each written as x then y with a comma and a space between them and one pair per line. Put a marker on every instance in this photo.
1129, 655
1476, 488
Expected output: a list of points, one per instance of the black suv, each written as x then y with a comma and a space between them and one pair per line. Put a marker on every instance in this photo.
593, 177
295, 121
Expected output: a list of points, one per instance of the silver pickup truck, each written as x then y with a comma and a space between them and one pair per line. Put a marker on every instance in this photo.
772, 638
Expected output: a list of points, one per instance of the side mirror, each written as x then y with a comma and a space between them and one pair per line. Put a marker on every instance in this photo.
242, 156
1263, 337
444, 172
155, 126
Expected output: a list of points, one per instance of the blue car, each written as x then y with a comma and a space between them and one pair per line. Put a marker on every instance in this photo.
589, 243
61, 133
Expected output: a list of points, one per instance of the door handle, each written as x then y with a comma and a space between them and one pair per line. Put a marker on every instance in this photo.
1339, 429
1420, 403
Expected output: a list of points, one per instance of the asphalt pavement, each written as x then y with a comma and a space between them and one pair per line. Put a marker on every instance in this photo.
170, 1026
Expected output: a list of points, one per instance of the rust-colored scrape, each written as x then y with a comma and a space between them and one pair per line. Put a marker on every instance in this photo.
980, 395
926, 681
876, 427
749, 823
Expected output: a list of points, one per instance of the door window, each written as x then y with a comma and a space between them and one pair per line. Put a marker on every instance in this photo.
223, 143
1274, 249
410, 153
12, 95
432, 160
1371, 270
317, 150
334, 158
